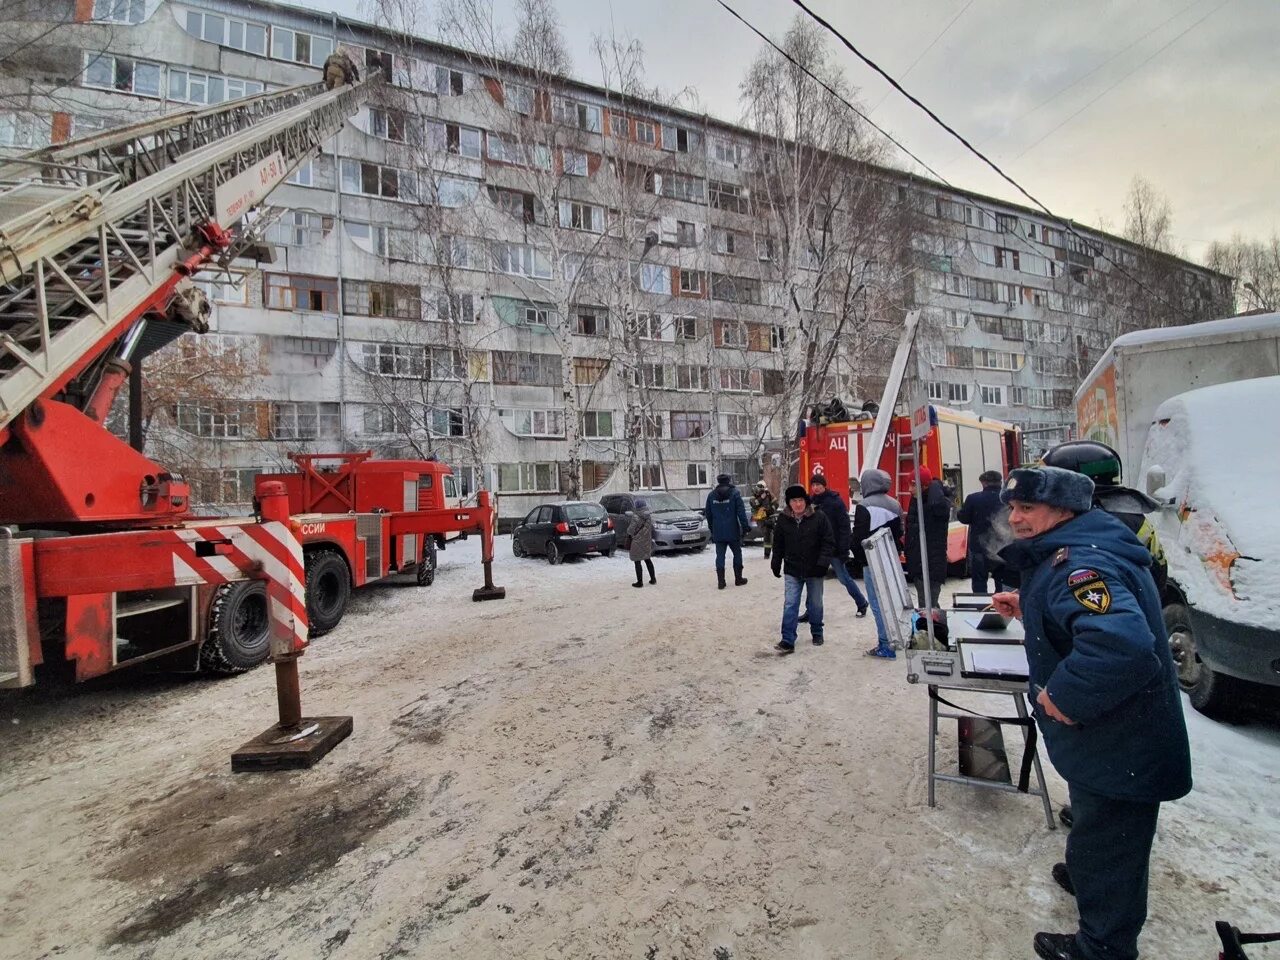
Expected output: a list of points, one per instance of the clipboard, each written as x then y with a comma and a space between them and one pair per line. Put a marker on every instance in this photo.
981, 660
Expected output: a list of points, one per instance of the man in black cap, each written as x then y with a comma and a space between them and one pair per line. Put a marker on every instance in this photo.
1105, 696
802, 547
728, 520
978, 513
831, 504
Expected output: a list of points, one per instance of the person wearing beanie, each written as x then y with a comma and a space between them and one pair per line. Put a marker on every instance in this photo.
1105, 694
979, 511
803, 545
831, 504
727, 517
876, 509
937, 521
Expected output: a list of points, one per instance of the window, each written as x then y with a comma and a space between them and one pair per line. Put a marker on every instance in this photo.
455, 307
735, 289
527, 478
619, 126
520, 368
680, 140
1008, 258
521, 260
449, 83
686, 329
581, 216
675, 186
952, 393
518, 205
729, 196
651, 326
656, 376
299, 47
584, 116
402, 301
724, 151
120, 11
455, 139
1039, 397
697, 475
122, 73
374, 180
992, 396
301, 176
690, 281
533, 423
725, 242
597, 424
518, 98
654, 278
651, 476
452, 193
446, 422
690, 425
731, 333
958, 357
742, 471
223, 291
304, 421
395, 125
738, 425
588, 371
25, 131
765, 248
217, 419
646, 132
533, 316
291, 291
575, 163
299, 228
777, 338
446, 363
383, 420
393, 359
956, 319
686, 233
739, 380
1018, 396
505, 150
590, 323
187, 86
690, 376
227, 31
997, 360
1006, 223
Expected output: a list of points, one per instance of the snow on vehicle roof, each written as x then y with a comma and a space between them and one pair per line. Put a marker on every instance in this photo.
1258, 323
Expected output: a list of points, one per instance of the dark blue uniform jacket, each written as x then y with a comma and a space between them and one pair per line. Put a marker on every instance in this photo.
1096, 641
727, 514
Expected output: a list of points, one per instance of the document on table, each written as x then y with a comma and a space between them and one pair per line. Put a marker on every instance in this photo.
995, 659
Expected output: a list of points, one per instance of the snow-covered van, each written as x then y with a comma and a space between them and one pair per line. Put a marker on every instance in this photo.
1211, 461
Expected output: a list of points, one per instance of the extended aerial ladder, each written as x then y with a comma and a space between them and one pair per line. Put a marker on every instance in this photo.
96, 237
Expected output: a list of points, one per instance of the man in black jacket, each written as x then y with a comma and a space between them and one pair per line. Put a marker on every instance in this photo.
978, 512
830, 504
802, 547
937, 518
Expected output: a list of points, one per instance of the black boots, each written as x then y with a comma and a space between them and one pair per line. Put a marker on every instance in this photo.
1055, 946
720, 578
639, 583
738, 579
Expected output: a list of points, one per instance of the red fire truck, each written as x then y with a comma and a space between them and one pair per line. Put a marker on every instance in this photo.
958, 448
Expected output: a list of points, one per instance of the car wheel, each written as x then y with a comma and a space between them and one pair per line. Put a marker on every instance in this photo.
1214, 694
517, 547
553, 553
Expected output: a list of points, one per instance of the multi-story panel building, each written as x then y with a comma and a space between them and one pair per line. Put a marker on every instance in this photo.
560, 289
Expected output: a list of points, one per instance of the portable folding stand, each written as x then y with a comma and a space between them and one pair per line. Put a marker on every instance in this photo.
946, 670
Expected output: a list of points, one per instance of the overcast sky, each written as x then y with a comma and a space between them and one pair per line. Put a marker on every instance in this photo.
1200, 120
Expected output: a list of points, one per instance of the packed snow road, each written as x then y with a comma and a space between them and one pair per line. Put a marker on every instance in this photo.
581, 770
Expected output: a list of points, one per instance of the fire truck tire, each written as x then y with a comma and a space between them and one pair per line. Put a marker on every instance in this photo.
1214, 694
328, 590
427, 565
239, 628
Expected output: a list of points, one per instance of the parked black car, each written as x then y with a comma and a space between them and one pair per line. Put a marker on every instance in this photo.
675, 525
559, 530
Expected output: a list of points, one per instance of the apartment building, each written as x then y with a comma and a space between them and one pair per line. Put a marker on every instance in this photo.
554, 287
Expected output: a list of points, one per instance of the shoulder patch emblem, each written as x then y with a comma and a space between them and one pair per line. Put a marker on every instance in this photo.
1093, 596
1060, 557
1076, 577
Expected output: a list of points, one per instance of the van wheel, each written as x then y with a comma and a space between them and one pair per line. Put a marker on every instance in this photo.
328, 590
427, 565
1214, 694
239, 628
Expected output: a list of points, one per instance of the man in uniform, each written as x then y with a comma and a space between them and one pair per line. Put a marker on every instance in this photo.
1105, 696
339, 70
764, 511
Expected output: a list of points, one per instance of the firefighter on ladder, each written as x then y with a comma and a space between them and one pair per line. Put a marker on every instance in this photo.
339, 70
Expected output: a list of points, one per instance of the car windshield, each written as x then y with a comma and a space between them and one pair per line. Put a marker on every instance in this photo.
583, 511
663, 502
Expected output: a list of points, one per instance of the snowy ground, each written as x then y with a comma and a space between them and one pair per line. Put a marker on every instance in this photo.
581, 770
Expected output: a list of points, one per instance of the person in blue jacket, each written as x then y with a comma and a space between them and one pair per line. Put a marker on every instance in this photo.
728, 520
1105, 695
978, 513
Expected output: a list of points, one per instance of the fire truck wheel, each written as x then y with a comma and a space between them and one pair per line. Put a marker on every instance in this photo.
427, 565
239, 628
1214, 694
328, 590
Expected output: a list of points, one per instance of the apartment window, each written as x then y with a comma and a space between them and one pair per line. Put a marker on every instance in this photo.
518, 98
521, 260
402, 301
187, 86
119, 11
619, 126
656, 376
1006, 223
575, 163
675, 186
590, 323
690, 281
384, 420
217, 419
454, 139
445, 363
449, 83
597, 424
223, 291
777, 338
584, 116
992, 395
949, 393
456, 307
446, 422
956, 319
729, 196
725, 242
731, 333
651, 326
527, 478
301, 176
122, 73
304, 421
518, 205
653, 278
1039, 397
588, 371
698, 474
765, 249
299, 228
374, 180
227, 31
1018, 396
686, 329
521, 368
689, 376
687, 425
581, 216
395, 125
742, 471
394, 359
534, 423
292, 291
679, 140
735, 289
646, 132
739, 380
651, 476
299, 47
725, 151
686, 233
958, 357
534, 316
505, 150
1008, 258
26, 131
738, 425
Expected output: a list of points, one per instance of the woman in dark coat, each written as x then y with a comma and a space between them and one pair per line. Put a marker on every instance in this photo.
641, 533
937, 519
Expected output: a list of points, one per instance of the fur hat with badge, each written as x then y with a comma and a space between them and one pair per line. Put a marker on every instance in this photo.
1049, 485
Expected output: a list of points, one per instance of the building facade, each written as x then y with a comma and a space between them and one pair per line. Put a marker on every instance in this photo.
561, 289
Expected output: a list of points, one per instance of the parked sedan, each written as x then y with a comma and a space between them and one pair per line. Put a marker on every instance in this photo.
675, 526
559, 530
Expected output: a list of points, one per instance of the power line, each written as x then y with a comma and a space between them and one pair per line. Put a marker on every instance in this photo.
932, 43
1121, 80
827, 87
1070, 227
